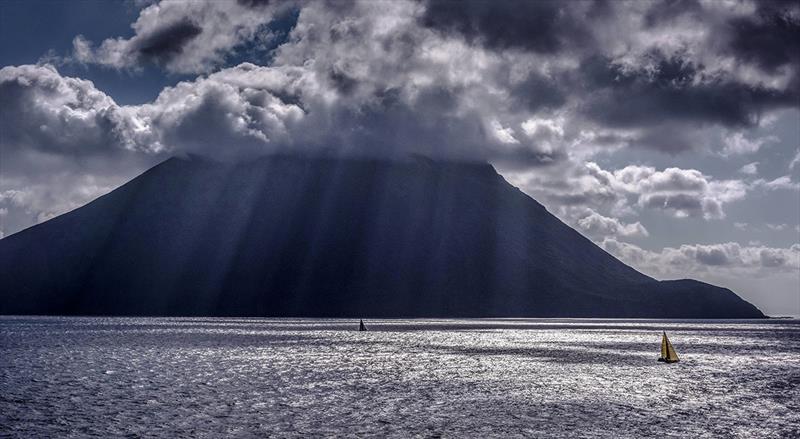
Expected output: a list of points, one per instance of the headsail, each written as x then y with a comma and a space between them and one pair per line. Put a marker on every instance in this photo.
668, 353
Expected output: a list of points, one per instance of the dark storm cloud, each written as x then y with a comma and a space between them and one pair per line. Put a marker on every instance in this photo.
673, 89
544, 26
254, 3
663, 11
343, 82
538, 92
658, 90
168, 41
193, 37
770, 36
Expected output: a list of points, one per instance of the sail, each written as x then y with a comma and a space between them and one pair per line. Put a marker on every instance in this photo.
671, 354
361, 326
668, 353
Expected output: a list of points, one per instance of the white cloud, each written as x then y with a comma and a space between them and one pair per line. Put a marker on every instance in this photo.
781, 183
795, 161
544, 127
183, 37
503, 134
737, 144
777, 227
372, 78
50, 113
683, 192
597, 225
732, 258
749, 169
44, 196
39, 200
678, 192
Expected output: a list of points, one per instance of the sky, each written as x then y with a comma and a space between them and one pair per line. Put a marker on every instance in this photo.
668, 132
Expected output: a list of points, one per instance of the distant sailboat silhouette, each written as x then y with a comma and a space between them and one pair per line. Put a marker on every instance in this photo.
361, 326
668, 354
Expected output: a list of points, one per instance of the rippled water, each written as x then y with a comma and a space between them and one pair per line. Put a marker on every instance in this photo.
451, 378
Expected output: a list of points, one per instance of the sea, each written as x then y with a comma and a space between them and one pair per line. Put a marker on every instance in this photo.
265, 377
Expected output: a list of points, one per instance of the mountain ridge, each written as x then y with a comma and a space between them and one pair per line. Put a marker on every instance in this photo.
318, 237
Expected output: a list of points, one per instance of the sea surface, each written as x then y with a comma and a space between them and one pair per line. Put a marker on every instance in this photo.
216, 377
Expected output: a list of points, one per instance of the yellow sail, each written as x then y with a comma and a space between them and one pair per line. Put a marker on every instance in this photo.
668, 353
671, 354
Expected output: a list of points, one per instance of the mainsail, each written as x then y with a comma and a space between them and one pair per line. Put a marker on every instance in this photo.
668, 353
361, 326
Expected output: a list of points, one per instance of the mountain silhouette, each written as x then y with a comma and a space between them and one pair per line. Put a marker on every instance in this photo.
300, 236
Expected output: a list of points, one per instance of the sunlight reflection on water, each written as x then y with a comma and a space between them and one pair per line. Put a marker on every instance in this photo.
292, 377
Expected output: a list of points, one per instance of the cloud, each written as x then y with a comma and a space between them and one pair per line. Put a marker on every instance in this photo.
659, 89
777, 227
597, 225
749, 169
731, 258
546, 26
538, 88
654, 73
184, 37
680, 192
781, 183
795, 161
64, 143
45, 112
683, 192
737, 144
54, 185
41, 201
769, 36
366, 84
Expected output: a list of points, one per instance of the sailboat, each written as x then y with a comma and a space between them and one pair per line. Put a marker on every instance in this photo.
361, 326
668, 354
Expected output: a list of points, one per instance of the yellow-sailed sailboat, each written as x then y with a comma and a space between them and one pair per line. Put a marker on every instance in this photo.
668, 354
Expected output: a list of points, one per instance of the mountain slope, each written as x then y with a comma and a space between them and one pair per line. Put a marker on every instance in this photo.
290, 236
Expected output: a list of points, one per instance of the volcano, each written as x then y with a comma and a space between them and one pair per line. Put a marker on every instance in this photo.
332, 237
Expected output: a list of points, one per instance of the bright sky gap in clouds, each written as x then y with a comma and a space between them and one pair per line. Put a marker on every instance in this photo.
666, 131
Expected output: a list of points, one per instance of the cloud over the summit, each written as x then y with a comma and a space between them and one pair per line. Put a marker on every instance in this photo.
477, 65
465, 80
539, 86
546, 26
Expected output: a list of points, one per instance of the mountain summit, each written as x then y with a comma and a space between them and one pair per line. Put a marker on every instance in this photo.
295, 236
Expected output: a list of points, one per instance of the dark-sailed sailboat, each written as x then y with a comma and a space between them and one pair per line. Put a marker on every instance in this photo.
668, 354
361, 326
